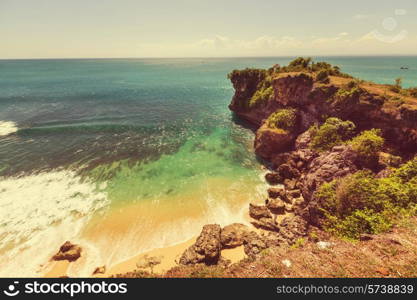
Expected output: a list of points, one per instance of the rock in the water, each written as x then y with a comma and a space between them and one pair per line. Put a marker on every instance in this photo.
233, 235
259, 211
206, 249
273, 178
68, 251
276, 206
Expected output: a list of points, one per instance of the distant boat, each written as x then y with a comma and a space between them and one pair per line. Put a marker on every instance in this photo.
404, 68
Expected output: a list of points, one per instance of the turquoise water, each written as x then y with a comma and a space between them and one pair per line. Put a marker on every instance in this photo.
153, 136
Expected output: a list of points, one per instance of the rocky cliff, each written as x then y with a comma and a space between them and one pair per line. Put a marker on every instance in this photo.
340, 153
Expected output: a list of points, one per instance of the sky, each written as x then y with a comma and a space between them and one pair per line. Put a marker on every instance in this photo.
200, 28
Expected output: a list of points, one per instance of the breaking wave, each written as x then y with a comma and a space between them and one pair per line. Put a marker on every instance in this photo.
40, 212
7, 127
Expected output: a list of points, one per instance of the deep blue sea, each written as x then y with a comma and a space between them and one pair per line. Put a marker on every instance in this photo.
136, 153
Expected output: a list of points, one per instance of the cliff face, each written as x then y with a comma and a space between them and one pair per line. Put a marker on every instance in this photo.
316, 126
367, 104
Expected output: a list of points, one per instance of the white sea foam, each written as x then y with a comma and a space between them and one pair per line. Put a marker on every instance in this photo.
7, 127
37, 214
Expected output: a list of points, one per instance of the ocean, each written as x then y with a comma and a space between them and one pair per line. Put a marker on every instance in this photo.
127, 155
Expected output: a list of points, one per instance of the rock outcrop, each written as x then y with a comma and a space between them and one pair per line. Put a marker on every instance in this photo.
270, 141
68, 251
206, 249
234, 235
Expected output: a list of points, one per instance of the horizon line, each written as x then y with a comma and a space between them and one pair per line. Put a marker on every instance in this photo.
210, 57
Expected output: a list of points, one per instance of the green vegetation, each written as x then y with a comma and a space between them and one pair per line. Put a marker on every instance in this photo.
332, 133
306, 64
347, 96
368, 144
264, 93
250, 73
323, 76
284, 119
361, 203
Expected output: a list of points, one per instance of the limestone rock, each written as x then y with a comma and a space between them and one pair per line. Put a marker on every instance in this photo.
275, 205
254, 244
206, 249
275, 192
259, 211
269, 141
233, 235
273, 178
68, 251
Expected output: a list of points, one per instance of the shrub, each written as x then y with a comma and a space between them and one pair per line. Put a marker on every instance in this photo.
284, 119
361, 203
332, 133
347, 97
368, 144
300, 62
407, 171
262, 95
323, 76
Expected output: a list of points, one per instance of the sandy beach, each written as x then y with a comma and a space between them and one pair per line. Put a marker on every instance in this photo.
168, 257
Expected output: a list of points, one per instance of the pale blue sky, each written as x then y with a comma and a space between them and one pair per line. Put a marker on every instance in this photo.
182, 28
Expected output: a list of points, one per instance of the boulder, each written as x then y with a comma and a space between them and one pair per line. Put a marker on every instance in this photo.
233, 235
275, 192
254, 244
290, 184
206, 249
275, 205
286, 171
266, 224
273, 178
259, 211
68, 251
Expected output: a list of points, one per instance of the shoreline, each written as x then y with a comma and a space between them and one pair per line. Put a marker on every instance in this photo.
168, 257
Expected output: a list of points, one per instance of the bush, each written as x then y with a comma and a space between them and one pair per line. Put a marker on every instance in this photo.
300, 62
323, 76
361, 203
284, 119
332, 133
346, 98
262, 95
368, 144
